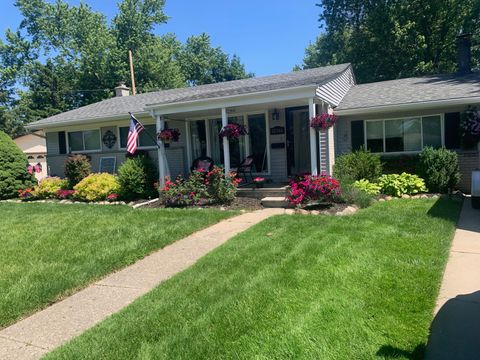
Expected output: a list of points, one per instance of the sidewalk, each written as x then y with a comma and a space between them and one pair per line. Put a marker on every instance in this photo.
455, 331
38, 334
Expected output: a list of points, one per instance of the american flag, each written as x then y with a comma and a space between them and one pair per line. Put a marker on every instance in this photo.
135, 128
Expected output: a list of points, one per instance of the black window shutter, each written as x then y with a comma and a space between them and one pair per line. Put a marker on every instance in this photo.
62, 143
452, 130
357, 131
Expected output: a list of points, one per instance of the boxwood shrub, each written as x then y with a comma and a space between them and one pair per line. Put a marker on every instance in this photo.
439, 168
357, 165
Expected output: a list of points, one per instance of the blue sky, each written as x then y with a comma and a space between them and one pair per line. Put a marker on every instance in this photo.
270, 36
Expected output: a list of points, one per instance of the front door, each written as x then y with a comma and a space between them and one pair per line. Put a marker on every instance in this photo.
298, 141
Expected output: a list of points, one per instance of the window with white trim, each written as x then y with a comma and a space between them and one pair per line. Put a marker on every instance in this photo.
146, 138
87, 140
403, 135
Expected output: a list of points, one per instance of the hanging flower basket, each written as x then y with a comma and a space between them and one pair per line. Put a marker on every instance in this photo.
169, 135
233, 131
470, 126
323, 121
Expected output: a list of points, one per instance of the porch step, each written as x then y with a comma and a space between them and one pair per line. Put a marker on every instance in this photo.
275, 202
260, 193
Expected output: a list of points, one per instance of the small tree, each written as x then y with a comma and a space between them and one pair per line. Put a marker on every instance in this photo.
77, 167
136, 177
13, 169
439, 168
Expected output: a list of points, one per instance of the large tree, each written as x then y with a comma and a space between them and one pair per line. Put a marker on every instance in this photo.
63, 56
393, 38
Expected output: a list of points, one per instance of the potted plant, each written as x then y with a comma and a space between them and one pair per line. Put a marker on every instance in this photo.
168, 135
323, 121
233, 131
259, 182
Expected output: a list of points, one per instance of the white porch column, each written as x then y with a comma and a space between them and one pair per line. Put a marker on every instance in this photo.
313, 139
226, 145
161, 160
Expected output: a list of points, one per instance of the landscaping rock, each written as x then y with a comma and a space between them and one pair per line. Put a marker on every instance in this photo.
303, 212
388, 198
405, 196
349, 210
381, 199
315, 212
289, 211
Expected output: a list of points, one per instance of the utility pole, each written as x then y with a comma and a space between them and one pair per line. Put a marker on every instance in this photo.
132, 74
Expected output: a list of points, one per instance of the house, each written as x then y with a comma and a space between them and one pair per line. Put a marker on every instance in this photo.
35, 148
392, 118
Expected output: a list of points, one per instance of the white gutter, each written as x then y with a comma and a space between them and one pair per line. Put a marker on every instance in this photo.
423, 105
34, 126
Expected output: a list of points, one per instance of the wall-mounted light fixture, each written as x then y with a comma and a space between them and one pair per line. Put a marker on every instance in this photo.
275, 115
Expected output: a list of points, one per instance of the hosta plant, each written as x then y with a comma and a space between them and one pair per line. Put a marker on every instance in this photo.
370, 188
401, 184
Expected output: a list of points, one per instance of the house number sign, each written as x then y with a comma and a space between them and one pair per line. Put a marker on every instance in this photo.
277, 130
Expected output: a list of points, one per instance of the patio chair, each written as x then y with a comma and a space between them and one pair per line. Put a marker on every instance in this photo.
245, 168
202, 163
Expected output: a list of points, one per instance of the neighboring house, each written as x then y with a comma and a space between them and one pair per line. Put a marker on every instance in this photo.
35, 148
391, 118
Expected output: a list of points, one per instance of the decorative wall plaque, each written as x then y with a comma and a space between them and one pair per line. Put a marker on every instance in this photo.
109, 139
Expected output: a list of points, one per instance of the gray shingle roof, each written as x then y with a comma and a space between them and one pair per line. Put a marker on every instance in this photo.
118, 106
411, 90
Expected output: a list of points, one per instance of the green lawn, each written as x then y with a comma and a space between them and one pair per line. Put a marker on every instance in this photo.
49, 250
294, 287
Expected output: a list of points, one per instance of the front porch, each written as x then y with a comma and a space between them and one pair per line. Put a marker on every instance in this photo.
279, 139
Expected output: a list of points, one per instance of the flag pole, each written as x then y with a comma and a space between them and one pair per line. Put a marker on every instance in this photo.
132, 74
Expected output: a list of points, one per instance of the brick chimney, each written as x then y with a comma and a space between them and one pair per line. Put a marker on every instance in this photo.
464, 53
122, 90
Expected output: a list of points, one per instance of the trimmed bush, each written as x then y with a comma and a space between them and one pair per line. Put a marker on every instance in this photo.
96, 187
439, 168
403, 184
358, 165
136, 177
13, 169
77, 167
310, 189
48, 188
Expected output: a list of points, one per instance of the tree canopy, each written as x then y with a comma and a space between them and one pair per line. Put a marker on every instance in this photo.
388, 39
63, 56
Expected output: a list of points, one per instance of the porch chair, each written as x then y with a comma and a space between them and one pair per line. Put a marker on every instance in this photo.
245, 168
202, 163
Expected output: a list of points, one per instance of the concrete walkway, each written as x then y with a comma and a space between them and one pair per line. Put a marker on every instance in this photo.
40, 333
455, 331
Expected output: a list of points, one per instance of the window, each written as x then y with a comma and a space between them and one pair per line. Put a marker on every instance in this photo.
88, 140
257, 131
146, 137
199, 138
403, 135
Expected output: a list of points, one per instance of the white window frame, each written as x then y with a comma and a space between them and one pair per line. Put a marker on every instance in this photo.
138, 144
442, 133
245, 116
70, 151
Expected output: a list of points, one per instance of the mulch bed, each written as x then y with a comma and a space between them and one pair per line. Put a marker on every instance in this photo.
240, 203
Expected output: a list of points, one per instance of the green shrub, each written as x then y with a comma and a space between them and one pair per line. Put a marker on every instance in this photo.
184, 192
212, 187
439, 168
136, 177
13, 169
358, 165
48, 187
350, 194
96, 187
221, 189
77, 167
367, 186
403, 184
